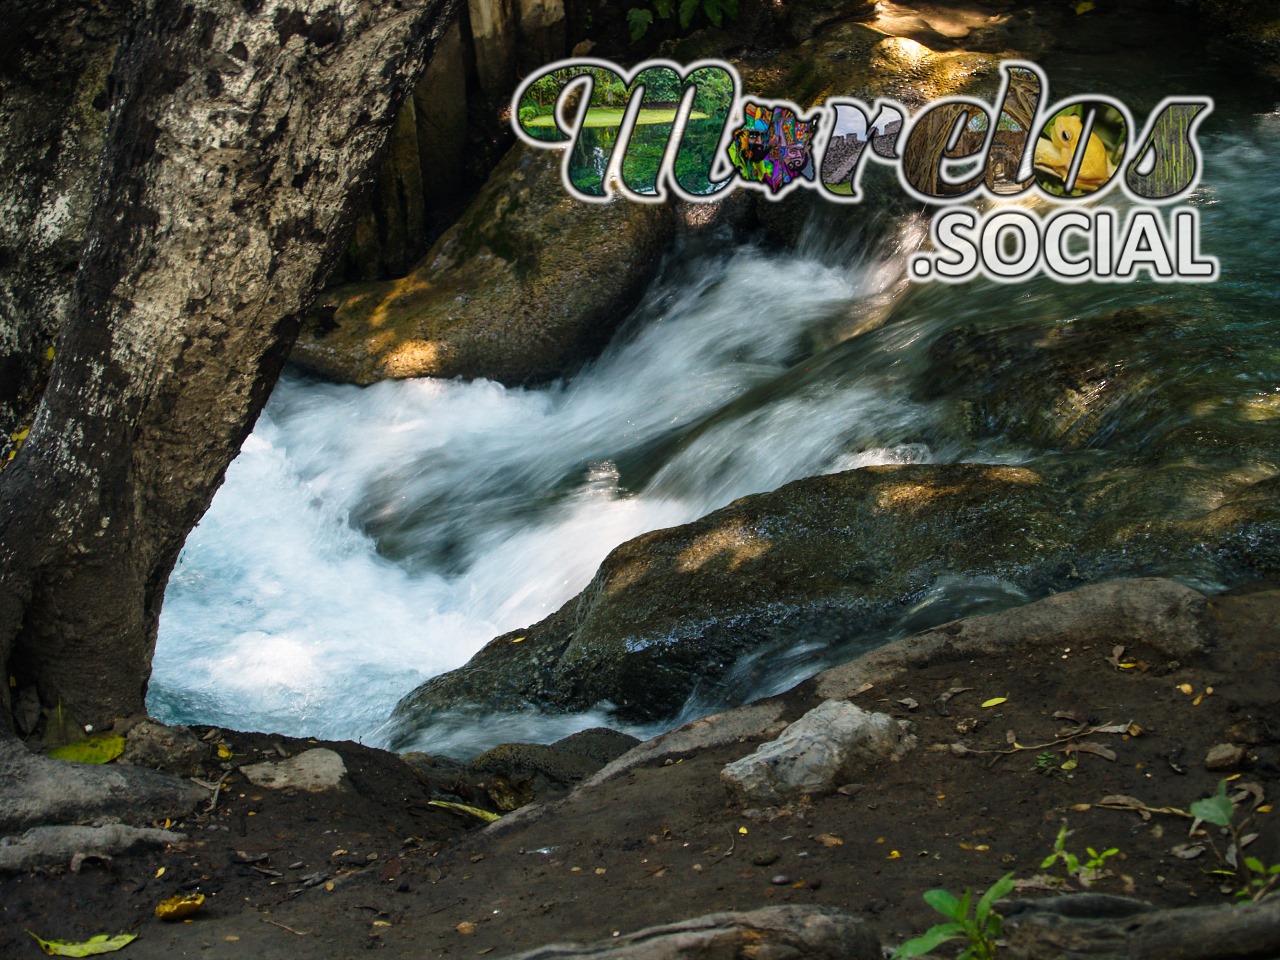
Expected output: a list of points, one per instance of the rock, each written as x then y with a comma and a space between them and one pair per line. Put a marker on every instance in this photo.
1162, 614
50, 846
173, 749
312, 770
835, 558
39, 791
527, 284
831, 744
1225, 757
778, 933
599, 743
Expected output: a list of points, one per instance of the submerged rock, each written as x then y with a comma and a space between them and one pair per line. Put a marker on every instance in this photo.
831, 744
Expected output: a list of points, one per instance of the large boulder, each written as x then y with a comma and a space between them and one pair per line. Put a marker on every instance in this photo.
828, 560
525, 285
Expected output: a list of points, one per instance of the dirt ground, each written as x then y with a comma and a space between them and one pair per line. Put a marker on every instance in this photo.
374, 867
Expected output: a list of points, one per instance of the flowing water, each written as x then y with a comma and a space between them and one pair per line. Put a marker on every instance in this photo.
367, 539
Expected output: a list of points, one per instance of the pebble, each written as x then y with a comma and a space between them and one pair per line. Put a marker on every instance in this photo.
765, 858
781, 880
1224, 756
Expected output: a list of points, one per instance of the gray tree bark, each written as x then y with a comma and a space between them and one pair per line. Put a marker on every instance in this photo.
240, 133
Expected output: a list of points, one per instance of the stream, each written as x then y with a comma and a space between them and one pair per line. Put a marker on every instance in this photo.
366, 539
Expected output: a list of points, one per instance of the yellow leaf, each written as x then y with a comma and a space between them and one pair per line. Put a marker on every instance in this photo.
476, 812
382, 923
829, 840
160, 873
224, 752
1070, 765
21, 435
995, 701
893, 855
49, 353
180, 906
742, 830
1187, 688
328, 885
516, 639
1083, 8
1265, 808
99, 748
99, 944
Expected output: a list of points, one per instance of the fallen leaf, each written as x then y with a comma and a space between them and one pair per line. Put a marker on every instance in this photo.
517, 639
99, 748
910, 703
1186, 688
224, 752
1097, 749
1084, 7
88, 948
1187, 851
466, 928
862, 689
742, 830
485, 815
181, 906
160, 873
1070, 765
1081, 807
829, 840
994, 701
893, 855
1068, 715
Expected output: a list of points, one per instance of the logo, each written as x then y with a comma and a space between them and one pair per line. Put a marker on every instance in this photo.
1026, 188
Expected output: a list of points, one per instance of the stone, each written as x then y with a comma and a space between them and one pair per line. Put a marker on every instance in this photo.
62, 845
313, 770
173, 749
1224, 757
527, 284
831, 744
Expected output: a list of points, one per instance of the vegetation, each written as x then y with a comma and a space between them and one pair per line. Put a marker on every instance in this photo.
982, 929
639, 19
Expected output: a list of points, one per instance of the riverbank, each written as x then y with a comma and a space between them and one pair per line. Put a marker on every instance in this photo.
372, 864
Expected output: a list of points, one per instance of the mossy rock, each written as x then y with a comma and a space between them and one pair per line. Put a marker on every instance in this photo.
827, 560
527, 284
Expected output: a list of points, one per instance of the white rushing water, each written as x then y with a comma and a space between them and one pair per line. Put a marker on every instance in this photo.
366, 539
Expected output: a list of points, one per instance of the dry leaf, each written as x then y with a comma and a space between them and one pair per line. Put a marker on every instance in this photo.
466, 928
1188, 851
1097, 749
88, 948
179, 907
829, 840
909, 702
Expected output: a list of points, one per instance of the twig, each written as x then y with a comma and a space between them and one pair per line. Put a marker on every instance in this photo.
215, 787
276, 923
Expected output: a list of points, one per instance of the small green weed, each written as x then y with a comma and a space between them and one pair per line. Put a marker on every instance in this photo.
1086, 872
1258, 878
982, 929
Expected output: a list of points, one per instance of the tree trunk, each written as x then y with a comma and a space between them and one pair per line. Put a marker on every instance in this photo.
240, 134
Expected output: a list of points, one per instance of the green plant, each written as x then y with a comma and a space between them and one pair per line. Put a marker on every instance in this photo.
982, 929
1046, 763
1258, 878
640, 18
1085, 873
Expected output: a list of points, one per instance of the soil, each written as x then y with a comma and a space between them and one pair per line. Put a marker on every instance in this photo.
662, 842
